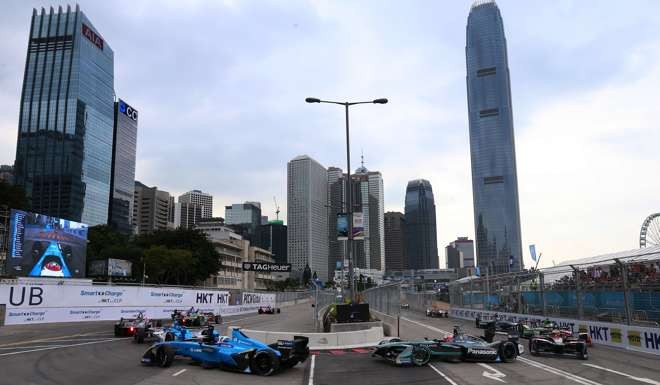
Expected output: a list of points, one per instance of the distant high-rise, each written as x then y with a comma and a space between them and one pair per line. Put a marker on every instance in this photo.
492, 145
122, 179
65, 124
153, 209
395, 244
460, 253
200, 198
421, 235
7, 173
187, 215
368, 198
272, 237
245, 217
307, 214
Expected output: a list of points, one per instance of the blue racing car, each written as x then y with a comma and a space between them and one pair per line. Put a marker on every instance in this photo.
237, 353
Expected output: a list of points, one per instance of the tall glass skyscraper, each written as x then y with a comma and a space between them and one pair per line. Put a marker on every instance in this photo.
492, 147
421, 234
65, 129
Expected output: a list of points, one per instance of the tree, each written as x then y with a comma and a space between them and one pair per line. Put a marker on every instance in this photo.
13, 196
169, 266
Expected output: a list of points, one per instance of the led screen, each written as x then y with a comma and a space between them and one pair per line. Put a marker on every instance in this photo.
43, 246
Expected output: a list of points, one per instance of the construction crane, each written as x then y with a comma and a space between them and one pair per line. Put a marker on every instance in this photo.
277, 208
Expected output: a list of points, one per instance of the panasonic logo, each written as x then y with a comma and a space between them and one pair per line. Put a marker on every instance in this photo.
480, 352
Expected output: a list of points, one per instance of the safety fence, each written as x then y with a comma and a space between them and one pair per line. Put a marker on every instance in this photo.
621, 290
385, 299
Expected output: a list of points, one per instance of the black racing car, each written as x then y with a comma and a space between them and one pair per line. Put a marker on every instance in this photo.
439, 313
559, 343
268, 310
498, 324
127, 327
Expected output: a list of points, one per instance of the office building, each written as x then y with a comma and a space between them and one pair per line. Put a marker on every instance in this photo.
245, 217
421, 234
122, 177
7, 174
368, 198
153, 209
264, 219
272, 237
466, 247
65, 124
186, 215
395, 244
307, 214
336, 191
492, 144
216, 229
199, 198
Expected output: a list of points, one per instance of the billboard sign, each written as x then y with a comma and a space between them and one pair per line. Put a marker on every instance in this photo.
119, 268
127, 110
358, 225
92, 36
267, 267
342, 226
43, 246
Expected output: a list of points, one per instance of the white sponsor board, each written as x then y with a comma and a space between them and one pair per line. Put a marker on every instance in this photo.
61, 303
644, 339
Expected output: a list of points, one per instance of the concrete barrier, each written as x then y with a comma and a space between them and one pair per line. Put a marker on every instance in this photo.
323, 341
390, 323
354, 326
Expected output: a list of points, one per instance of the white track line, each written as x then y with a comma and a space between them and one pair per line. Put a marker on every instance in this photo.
61, 346
54, 338
449, 380
311, 371
426, 326
640, 379
553, 370
179, 372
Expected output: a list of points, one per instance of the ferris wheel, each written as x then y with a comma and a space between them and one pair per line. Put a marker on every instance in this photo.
650, 233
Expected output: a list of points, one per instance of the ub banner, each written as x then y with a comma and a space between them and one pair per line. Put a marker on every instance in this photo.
358, 225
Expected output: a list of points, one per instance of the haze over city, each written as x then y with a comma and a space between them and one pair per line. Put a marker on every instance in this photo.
221, 88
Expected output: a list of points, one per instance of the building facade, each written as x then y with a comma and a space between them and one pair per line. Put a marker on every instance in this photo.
368, 197
7, 174
65, 125
216, 229
152, 209
122, 180
272, 237
307, 214
421, 234
395, 244
186, 215
200, 198
492, 144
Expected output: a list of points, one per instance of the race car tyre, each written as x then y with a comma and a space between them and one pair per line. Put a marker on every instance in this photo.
421, 355
278, 310
533, 349
139, 335
507, 351
582, 353
218, 319
476, 322
208, 365
260, 311
264, 363
159, 323
164, 356
117, 331
149, 358
196, 322
169, 336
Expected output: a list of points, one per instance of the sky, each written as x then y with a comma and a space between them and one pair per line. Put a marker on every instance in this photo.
220, 88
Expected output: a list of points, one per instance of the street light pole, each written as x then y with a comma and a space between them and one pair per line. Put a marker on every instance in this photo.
349, 203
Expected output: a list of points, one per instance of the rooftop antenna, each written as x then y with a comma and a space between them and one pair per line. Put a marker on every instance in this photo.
362, 156
277, 208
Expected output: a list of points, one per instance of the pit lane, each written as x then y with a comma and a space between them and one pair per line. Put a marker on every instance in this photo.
86, 353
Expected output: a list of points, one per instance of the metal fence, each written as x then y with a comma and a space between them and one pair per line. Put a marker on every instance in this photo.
622, 290
385, 299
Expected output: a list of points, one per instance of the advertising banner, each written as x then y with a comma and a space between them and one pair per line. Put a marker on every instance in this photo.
119, 267
358, 225
43, 246
267, 267
631, 337
342, 226
65, 303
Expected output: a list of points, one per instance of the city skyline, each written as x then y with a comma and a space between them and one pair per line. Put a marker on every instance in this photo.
573, 103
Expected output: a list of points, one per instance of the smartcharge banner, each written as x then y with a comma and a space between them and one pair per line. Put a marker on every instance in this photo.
34, 303
643, 339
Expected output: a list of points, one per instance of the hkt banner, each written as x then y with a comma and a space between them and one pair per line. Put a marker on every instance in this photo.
624, 336
66, 303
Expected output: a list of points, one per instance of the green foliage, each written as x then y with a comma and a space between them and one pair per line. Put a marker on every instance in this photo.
13, 196
287, 284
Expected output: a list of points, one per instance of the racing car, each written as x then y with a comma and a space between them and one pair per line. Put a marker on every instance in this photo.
193, 317
500, 325
454, 348
434, 312
175, 332
236, 353
534, 329
268, 310
558, 343
127, 327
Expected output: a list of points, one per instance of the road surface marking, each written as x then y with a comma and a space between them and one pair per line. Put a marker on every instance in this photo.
426, 326
558, 372
311, 371
54, 338
61, 346
31, 347
179, 372
239, 319
640, 379
493, 373
449, 380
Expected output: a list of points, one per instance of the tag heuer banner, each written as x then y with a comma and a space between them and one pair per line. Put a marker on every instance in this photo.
358, 226
267, 267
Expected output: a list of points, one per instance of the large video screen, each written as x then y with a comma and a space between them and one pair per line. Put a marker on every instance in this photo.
43, 246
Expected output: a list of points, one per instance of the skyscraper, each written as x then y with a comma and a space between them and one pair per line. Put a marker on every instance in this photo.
122, 178
272, 237
153, 209
492, 145
395, 244
421, 235
368, 198
245, 218
64, 148
186, 215
307, 214
200, 198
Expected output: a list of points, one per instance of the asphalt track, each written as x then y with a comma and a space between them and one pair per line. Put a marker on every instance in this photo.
87, 353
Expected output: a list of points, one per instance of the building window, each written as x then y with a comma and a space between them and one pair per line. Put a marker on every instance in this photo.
489, 112
494, 179
486, 71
